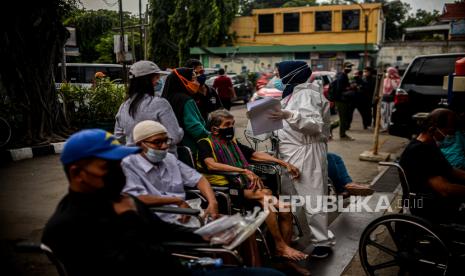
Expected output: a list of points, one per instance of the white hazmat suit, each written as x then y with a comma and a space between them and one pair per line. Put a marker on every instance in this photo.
303, 143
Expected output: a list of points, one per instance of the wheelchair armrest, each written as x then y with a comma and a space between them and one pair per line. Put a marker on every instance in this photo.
217, 172
391, 164
271, 163
220, 188
172, 244
28, 246
176, 210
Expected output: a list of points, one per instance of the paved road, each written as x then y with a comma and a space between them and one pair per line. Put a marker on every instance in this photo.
30, 190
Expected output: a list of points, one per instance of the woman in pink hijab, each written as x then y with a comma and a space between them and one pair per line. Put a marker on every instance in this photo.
391, 83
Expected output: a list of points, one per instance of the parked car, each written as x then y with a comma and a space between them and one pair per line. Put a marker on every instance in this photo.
242, 86
211, 71
420, 91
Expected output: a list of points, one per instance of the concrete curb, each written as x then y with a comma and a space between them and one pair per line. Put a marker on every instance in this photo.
30, 152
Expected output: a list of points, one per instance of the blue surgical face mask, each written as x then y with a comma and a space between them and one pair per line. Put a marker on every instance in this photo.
155, 156
278, 84
159, 85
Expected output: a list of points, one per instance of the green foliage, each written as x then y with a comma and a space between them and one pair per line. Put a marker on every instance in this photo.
87, 107
189, 23
104, 48
398, 17
300, 3
94, 33
106, 97
421, 18
246, 6
395, 14
163, 50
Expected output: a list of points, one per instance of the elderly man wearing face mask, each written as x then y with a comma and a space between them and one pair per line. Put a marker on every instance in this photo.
156, 177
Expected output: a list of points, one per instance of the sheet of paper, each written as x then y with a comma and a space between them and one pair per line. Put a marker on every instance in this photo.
259, 112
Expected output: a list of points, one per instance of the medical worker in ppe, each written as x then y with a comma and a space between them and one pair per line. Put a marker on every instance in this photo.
303, 142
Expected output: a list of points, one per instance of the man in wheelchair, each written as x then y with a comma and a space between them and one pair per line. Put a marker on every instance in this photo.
157, 178
97, 230
429, 174
221, 152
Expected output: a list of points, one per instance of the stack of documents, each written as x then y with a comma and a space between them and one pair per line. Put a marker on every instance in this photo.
259, 113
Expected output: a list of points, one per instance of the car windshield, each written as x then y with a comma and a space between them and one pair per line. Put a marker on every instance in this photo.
429, 71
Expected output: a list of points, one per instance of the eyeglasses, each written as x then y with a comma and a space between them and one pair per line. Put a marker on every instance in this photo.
159, 142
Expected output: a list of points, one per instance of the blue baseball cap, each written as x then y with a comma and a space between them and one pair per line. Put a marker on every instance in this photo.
94, 143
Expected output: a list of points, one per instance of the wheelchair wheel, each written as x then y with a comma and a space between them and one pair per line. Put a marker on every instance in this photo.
399, 244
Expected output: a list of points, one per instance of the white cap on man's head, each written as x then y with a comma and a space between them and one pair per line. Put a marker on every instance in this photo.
146, 129
143, 68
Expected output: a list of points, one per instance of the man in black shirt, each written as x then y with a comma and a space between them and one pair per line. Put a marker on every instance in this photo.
207, 99
369, 86
428, 172
344, 100
97, 230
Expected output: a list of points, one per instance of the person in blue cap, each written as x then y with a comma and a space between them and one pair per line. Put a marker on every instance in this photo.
97, 230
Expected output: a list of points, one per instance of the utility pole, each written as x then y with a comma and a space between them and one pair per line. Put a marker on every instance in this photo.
63, 66
145, 30
365, 59
133, 46
121, 43
141, 30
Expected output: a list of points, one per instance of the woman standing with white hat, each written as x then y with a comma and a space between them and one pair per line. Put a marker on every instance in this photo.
142, 104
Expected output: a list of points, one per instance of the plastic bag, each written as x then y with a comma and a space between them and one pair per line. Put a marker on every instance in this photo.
219, 225
193, 222
225, 229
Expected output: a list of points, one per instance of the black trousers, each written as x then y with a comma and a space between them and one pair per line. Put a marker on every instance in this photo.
345, 111
364, 107
226, 103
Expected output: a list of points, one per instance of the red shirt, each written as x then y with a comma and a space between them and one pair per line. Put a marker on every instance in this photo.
223, 85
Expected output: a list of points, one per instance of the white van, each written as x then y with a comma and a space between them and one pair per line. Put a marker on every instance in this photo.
83, 74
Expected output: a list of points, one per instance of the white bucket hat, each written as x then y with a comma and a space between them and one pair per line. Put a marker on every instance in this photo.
143, 68
146, 129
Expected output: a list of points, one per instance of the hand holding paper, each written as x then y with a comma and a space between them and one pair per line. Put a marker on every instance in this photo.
280, 115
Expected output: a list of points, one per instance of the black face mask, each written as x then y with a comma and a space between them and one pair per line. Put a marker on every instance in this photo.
201, 79
226, 133
114, 182
347, 71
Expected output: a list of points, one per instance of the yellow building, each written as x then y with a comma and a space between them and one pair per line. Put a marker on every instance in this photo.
325, 36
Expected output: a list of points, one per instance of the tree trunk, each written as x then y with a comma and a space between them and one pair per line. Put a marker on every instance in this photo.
31, 46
